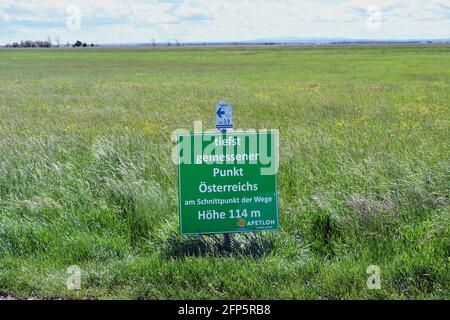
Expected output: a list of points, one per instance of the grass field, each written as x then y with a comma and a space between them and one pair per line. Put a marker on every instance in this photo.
86, 176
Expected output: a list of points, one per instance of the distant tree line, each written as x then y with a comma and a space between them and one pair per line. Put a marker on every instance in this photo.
78, 44
46, 44
30, 44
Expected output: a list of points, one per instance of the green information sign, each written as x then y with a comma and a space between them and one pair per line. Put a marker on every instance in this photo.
228, 182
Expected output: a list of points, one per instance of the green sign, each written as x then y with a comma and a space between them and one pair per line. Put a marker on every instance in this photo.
228, 182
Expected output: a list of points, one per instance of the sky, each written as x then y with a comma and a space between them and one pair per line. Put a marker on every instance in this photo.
143, 21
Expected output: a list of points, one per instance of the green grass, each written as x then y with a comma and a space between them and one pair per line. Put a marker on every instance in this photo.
86, 177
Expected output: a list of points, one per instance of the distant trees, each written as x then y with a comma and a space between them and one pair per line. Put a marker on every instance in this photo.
47, 44
30, 44
79, 44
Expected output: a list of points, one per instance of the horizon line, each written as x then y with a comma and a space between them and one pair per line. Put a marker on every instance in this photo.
275, 41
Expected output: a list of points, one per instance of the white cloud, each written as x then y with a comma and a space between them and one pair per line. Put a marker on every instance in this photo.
108, 21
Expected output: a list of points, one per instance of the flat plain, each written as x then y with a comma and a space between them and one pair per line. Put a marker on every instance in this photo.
86, 177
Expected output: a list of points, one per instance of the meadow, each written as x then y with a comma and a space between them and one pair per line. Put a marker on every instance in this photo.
86, 177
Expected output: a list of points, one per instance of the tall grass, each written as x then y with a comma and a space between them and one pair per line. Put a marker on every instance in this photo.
86, 176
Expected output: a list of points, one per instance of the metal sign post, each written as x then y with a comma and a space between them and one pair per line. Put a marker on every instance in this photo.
224, 121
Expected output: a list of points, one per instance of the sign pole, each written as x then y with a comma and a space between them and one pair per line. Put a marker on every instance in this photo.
226, 236
224, 121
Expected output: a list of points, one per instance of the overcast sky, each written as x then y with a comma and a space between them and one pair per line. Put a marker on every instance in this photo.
118, 21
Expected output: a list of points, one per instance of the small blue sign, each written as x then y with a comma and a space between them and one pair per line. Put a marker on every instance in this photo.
224, 116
